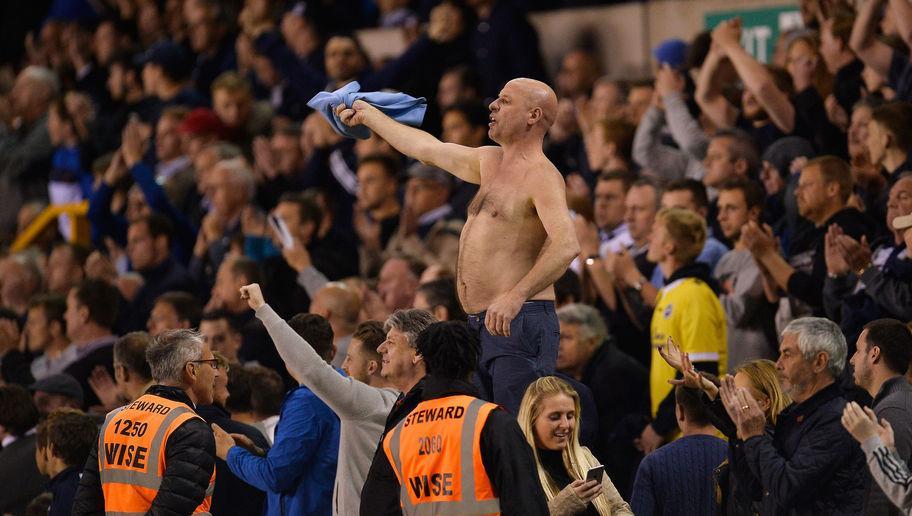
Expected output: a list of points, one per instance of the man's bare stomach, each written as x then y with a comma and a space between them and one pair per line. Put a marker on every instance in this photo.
493, 257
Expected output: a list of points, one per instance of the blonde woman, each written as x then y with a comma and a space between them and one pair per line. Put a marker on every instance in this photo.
740, 491
548, 417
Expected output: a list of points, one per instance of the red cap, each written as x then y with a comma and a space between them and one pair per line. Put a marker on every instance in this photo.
202, 121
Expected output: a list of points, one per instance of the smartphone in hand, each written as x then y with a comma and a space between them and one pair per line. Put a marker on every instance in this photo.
278, 225
595, 474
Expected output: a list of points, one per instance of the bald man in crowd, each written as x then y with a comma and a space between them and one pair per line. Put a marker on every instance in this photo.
518, 238
340, 305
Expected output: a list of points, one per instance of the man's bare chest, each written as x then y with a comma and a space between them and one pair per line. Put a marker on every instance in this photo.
502, 204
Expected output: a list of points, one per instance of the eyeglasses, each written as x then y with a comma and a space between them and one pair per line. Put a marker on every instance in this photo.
213, 362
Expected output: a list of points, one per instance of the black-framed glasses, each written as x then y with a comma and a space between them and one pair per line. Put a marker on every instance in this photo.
213, 362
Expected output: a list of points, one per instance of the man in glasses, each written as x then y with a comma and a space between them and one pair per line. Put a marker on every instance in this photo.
127, 472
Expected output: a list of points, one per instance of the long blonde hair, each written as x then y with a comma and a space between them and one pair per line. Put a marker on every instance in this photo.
763, 376
576, 461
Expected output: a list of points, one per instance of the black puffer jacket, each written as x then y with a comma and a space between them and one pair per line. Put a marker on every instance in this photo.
810, 465
190, 459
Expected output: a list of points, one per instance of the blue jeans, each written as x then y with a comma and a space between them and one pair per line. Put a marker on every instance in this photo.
509, 364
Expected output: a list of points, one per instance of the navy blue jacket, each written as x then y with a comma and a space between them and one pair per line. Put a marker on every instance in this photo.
810, 465
63, 487
299, 470
164, 277
232, 495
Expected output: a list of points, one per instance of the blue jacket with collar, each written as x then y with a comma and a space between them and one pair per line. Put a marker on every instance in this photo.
299, 470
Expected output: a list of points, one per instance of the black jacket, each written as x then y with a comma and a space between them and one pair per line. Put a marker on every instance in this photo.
620, 386
741, 492
810, 465
506, 456
190, 459
806, 255
167, 276
20, 480
232, 495
82, 369
63, 488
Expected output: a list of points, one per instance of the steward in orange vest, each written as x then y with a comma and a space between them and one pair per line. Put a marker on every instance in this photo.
447, 452
156, 455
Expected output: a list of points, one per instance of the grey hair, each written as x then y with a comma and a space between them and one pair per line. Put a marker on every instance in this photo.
241, 174
44, 76
410, 321
169, 352
224, 150
815, 335
590, 321
742, 147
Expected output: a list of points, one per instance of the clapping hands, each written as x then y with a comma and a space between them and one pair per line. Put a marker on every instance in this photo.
862, 424
742, 408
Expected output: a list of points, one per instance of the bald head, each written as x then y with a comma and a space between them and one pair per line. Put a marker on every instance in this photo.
538, 95
339, 304
33, 91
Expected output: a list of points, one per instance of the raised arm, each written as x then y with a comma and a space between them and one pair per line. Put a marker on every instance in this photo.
864, 42
462, 162
709, 97
561, 246
755, 76
348, 398
901, 10
685, 130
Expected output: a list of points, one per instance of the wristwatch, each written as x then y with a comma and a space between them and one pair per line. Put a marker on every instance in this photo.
638, 284
591, 259
865, 267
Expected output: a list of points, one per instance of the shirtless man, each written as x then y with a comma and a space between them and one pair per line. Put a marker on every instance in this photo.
518, 238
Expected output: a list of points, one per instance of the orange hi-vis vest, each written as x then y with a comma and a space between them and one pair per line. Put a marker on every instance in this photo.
131, 453
436, 454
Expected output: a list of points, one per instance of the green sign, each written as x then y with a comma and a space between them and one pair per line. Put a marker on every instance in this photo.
760, 27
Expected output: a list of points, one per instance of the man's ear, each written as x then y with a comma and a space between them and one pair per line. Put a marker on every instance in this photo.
874, 352
83, 312
373, 367
190, 370
670, 247
121, 374
309, 229
821, 362
755, 213
441, 313
535, 115
417, 358
162, 240
741, 166
890, 140
56, 329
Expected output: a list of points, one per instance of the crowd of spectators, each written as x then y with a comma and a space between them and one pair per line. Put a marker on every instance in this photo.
744, 231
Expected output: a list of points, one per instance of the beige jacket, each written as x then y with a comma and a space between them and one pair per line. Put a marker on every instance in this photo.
567, 503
